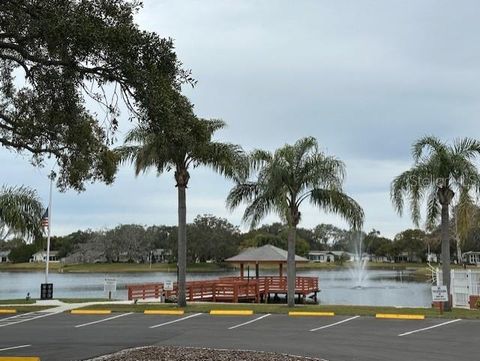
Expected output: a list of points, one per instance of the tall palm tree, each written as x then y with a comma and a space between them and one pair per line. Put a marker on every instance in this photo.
181, 143
20, 212
286, 179
439, 170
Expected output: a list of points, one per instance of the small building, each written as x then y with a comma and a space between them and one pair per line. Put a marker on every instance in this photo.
471, 258
321, 256
4, 256
41, 256
161, 255
432, 258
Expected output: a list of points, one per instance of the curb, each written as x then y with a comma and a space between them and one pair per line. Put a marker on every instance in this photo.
317, 314
397, 316
231, 312
7, 311
90, 312
8, 358
163, 312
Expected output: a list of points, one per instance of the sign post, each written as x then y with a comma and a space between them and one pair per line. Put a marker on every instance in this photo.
440, 295
110, 286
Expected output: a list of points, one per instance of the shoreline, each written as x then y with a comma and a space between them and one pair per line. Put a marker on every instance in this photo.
198, 267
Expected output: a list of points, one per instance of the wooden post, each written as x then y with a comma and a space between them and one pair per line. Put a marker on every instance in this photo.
241, 271
257, 272
281, 269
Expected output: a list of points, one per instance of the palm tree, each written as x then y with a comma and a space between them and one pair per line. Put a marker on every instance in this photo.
20, 212
284, 181
181, 143
466, 219
439, 170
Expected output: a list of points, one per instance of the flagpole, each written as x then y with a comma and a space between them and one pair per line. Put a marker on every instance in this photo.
52, 175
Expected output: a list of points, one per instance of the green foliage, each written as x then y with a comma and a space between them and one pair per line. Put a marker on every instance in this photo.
290, 176
20, 212
180, 142
65, 51
212, 238
439, 171
22, 253
373, 243
411, 241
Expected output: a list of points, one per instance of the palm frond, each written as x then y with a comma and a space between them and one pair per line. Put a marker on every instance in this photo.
21, 210
243, 192
337, 202
466, 147
433, 210
428, 142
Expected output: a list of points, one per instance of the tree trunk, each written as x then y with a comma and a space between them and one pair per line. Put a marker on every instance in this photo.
182, 245
291, 272
445, 236
459, 251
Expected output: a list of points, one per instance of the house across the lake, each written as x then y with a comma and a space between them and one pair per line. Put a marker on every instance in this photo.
329, 256
321, 256
41, 256
4, 256
161, 255
471, 258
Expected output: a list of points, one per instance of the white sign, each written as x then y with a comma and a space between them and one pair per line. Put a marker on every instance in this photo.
439, 294
168, 285
110, 285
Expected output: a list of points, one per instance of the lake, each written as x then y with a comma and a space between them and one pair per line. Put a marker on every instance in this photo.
381, 288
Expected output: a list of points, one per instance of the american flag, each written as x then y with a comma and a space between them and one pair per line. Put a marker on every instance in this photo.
45, 219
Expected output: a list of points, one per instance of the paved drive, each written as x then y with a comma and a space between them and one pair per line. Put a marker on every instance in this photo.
76, 337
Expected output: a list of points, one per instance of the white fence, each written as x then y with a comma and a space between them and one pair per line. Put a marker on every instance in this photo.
464, 283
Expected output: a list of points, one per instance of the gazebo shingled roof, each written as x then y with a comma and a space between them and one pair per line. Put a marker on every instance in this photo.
264, 254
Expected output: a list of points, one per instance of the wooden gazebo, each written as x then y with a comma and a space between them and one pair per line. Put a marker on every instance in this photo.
267, 254
236, 289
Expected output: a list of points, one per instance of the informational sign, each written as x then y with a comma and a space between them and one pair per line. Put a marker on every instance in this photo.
110, 285
168, 285
46, 291
439, 294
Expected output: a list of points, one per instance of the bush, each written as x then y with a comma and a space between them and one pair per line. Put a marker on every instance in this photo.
477, 304
22, 253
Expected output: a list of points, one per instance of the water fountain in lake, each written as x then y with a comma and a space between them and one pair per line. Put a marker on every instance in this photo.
358, 269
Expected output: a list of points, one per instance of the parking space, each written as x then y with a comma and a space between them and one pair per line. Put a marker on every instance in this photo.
65, 336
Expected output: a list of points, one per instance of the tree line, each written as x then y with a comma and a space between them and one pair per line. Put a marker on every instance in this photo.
214, 239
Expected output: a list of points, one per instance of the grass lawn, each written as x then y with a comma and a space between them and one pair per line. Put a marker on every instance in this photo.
421, 270
110, 267
24, 309
82, 300
22, 301
283, 309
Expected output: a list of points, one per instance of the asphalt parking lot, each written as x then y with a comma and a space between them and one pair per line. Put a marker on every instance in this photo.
341, 338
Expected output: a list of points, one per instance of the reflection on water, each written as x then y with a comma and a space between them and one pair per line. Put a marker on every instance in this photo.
383, 287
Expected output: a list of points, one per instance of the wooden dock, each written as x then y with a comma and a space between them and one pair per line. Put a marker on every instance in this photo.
230, 289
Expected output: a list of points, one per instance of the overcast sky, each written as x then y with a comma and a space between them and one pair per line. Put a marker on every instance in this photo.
366, 78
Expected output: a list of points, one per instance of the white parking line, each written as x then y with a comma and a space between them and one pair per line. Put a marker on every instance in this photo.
14, 347
334, 324
429, 328
103, 320
21, 318
180, 319
248, 322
